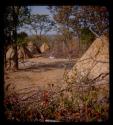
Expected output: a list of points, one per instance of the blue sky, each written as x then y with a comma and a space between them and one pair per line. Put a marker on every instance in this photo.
39, 10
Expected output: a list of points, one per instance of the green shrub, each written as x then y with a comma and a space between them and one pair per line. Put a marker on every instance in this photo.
87, 36
22, 38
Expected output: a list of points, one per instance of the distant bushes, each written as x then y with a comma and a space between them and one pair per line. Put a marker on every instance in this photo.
58, 47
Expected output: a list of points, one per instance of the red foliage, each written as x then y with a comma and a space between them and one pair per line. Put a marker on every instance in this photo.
45, 98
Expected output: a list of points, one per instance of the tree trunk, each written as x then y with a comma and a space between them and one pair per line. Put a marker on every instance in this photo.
63, 47
15, 20
5, 50
79, 45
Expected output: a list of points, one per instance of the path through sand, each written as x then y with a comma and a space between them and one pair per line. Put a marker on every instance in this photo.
37, 72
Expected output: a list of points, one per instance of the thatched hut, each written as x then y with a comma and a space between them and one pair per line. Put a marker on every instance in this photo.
23, 53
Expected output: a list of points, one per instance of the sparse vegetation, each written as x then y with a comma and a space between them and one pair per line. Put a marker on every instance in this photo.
61, 77
69, 104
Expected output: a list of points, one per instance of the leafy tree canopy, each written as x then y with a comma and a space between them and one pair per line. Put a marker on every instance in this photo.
40, 23
77, 17
22, 39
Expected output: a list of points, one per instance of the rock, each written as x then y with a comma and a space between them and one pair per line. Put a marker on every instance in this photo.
44, 47
33, 48
51, 57
94, 62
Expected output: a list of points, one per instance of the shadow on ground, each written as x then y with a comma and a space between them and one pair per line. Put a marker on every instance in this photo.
42, 67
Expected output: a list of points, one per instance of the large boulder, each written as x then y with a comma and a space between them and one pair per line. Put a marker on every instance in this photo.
44, 47
94, 64
33, 48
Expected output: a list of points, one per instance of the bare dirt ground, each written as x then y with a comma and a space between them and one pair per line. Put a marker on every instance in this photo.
35, 73
30, 95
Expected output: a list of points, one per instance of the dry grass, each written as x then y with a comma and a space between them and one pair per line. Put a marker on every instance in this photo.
33, 95
69, 104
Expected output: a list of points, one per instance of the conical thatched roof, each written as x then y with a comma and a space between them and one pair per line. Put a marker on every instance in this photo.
10, 53
94, 63
44, 47
28, 53
22, 52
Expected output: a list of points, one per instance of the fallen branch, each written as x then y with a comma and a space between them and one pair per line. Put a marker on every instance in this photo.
94, 32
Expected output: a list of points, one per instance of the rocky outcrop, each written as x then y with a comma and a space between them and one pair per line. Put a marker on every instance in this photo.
44, 47
94, 64
33, 48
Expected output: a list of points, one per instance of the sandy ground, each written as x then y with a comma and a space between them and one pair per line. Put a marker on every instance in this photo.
37, 72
